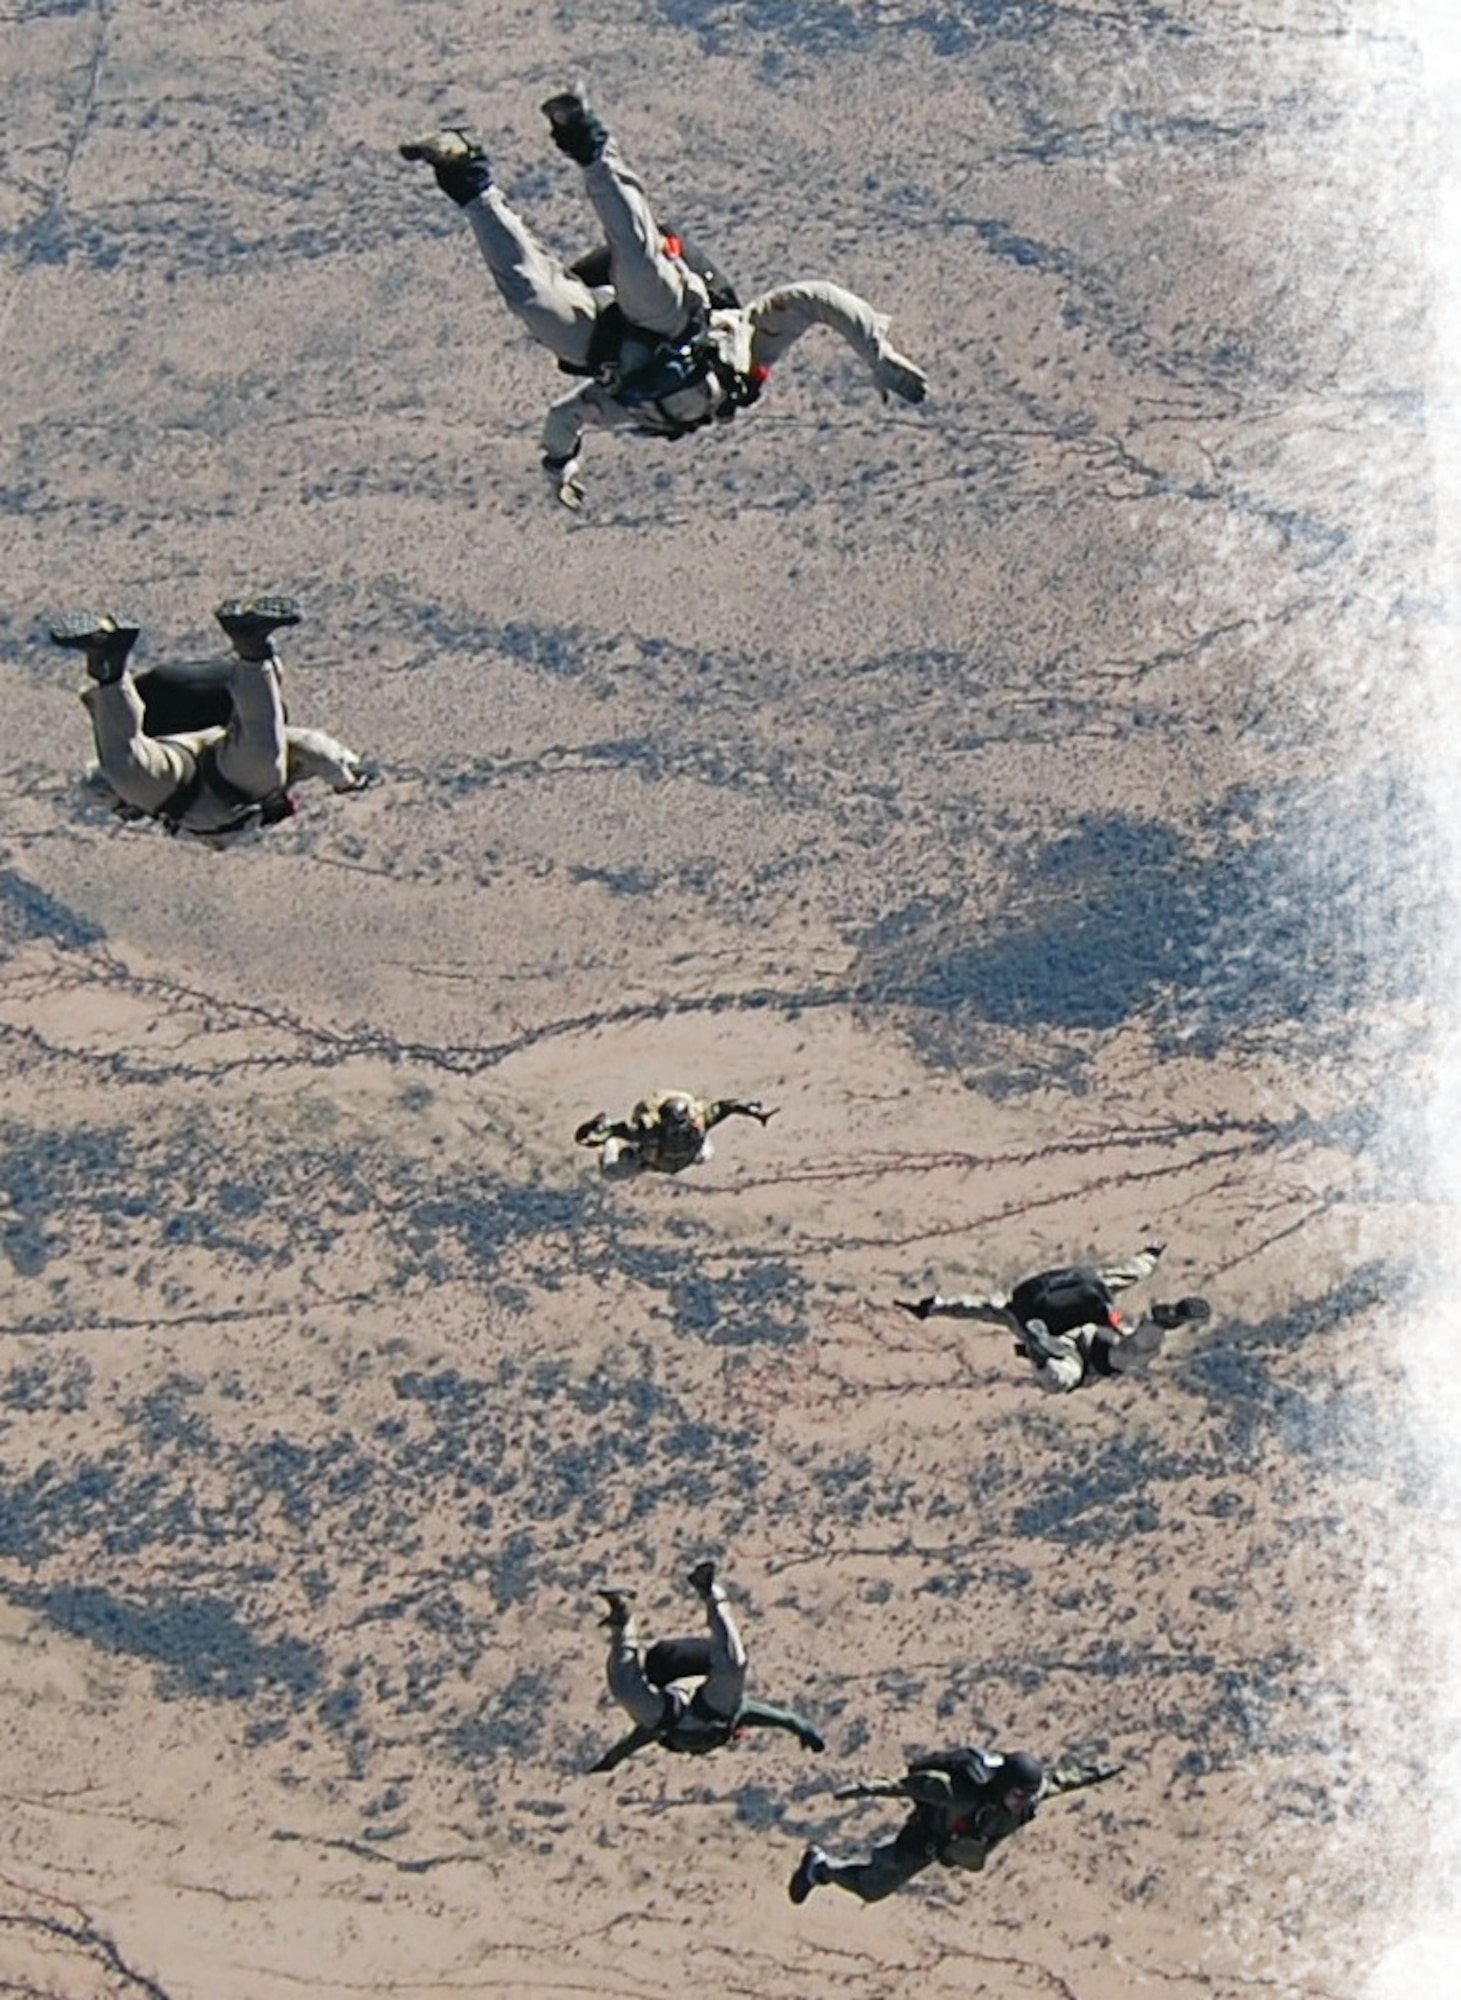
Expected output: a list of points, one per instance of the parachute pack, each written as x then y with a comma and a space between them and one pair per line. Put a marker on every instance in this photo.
678, 1660
179, 697
972, 1767
176, 700
1063, 1300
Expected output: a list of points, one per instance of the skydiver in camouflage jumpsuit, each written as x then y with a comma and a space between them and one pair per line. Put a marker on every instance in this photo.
663, 1134
1065, 1323
965, 1803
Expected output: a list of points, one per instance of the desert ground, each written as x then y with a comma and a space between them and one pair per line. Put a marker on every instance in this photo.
1019, 792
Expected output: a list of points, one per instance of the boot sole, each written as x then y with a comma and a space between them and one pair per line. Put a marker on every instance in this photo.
256, 617
85, 628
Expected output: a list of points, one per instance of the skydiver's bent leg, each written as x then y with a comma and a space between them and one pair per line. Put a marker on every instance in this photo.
557, 308
1128, 1354
652, 289
143, 770
724, 1687
1059, 1358
251, 755
886, 1869
642, 1703
1130, 1271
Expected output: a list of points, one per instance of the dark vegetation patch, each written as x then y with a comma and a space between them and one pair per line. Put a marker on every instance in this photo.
28, 911
198, 1644
529, 1455
136, 1193
1254, 930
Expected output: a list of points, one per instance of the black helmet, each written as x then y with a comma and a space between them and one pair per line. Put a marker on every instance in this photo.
1020, 1771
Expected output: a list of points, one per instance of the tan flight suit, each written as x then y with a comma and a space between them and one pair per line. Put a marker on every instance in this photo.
258, 753
659, 292
722, 1690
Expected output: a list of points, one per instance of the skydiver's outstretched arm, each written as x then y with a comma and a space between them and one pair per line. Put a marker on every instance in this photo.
872, 1788
754, 1714
1073, 1774
993, 1311
311, 753
923, 1788
628, 1746
596, 1131
779, 318
582, 409
944, 1788
729, 1107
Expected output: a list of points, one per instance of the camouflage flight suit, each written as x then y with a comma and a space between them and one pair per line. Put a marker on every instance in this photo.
1064, 1361
258, 754
663, 1134
959, 1817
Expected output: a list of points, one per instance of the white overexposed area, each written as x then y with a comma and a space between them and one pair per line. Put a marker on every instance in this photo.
1425, 1962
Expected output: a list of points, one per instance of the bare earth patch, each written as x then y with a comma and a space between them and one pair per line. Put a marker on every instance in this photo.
1020, 794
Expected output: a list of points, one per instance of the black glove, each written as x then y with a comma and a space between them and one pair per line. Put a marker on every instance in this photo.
811, 1740
920, 1308
584, 1136
1154, 1249
896, 375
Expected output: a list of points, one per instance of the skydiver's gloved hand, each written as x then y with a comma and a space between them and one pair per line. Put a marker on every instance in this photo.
356, 776
758, 1111
896, 375
591, 1131
920, 1308
811, 1739
564, 480
1154, 1249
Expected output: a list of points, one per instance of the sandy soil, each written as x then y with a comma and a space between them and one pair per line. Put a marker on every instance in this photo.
1018, 792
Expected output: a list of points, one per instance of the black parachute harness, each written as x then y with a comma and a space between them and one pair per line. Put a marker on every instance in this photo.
675, 362
1070, 1302
687, 1724
267, 811
692, 1729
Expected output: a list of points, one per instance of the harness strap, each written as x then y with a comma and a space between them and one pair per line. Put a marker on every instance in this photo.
698, 361
176, 805
206, 775
713, 1732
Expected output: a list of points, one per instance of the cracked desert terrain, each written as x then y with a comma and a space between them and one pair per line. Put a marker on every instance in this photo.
1018, 792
